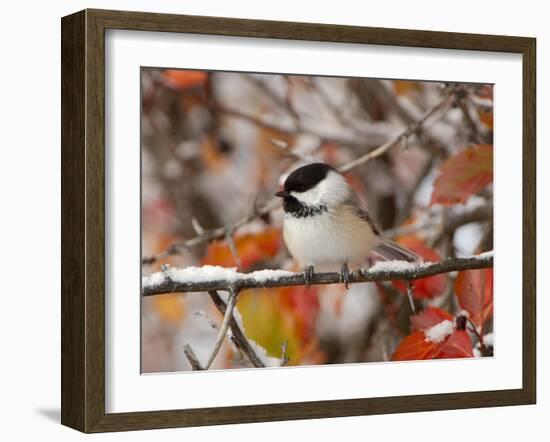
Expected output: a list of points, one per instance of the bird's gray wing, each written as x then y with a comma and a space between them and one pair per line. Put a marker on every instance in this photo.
365, 215
387, 249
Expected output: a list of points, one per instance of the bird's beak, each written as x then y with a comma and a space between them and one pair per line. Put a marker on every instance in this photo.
282, 194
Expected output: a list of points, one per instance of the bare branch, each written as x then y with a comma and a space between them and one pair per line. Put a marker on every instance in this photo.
231, 301
410, 295
284, 357
285, 148
192, 358
413, 128
409, 114
446, 226
238, 336
233, 247
453, 221
382, 271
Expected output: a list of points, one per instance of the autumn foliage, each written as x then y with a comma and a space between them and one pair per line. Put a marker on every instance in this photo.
214, 148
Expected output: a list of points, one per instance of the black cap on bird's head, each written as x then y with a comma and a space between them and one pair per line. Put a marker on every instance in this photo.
305, 178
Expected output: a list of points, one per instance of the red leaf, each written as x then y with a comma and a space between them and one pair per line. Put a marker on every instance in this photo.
464, 174
303, 304
474, 290
428, 318
415, 347
457, 345
183, 79
252, 248
425, 287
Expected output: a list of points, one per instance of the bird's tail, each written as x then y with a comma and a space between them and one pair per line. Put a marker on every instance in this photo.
391, 251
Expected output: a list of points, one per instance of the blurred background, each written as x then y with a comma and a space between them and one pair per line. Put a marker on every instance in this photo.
214, 148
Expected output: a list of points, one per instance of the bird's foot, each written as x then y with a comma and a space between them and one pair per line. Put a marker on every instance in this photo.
308, 274
344, 274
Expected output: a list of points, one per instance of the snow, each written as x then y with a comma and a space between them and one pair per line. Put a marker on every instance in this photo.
264, 275
153, 280
192, 275
463, 313
261, 352
397, 266
189, 275
439, 332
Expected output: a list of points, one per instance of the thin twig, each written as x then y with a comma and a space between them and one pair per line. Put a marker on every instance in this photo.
192, 357
231, 301
412, 129
479, 336
243, 281
407, 114
453, 221
238, 337
233, 247
283, 147
410, 295
284, 358
447, 224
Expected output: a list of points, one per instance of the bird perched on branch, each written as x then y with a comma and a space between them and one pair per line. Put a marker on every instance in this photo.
325, 226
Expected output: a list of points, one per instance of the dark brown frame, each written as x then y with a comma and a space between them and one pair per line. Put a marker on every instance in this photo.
83, 216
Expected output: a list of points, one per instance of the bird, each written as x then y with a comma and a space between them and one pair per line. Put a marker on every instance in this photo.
325, 227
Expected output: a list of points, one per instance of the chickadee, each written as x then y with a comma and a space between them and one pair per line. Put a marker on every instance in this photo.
325, 227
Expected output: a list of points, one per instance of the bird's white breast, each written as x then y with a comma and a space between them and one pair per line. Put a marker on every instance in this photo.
330, 239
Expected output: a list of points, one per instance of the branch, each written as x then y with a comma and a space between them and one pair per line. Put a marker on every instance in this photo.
231, 301
284, 358
413, 128
264, 211
445, 224
192, 358
193, 279
238, 336
409, 113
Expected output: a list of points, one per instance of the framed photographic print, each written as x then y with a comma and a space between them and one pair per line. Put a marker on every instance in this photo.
266, 220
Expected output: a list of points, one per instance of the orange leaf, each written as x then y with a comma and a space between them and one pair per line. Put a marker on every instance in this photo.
486, 117
184, 79
463, 175
457, 345
415, 347
428, 318
474, 290
403, 87
425, 287
273, 316
170, 308
252, 248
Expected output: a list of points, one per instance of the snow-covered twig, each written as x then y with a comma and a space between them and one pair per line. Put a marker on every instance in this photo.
208, 278
263, 212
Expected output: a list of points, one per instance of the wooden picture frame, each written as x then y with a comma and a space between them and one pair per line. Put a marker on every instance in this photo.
83, 219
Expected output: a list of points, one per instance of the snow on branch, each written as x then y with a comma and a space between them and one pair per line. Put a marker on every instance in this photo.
210, 278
